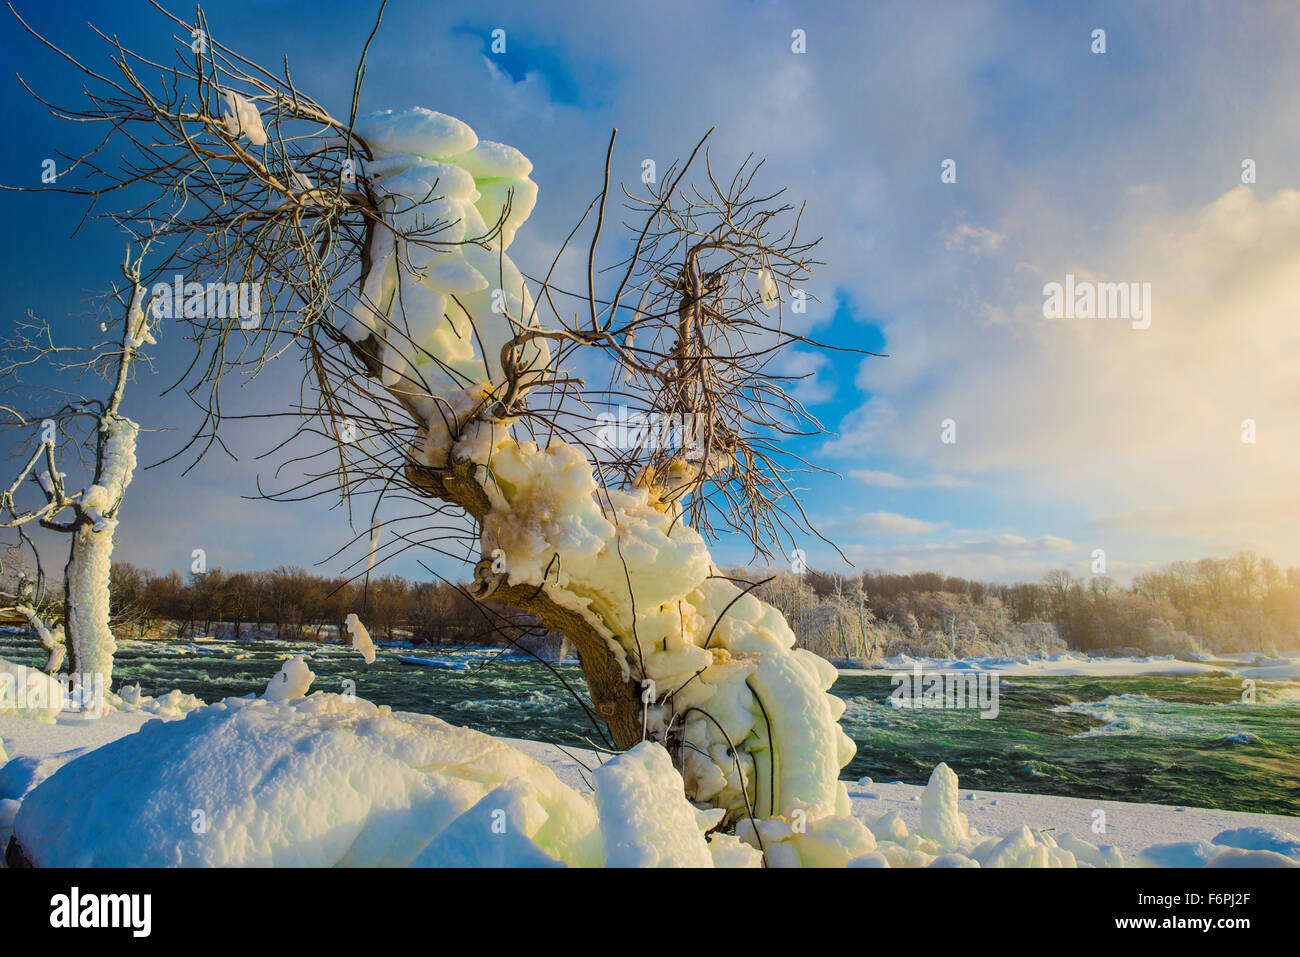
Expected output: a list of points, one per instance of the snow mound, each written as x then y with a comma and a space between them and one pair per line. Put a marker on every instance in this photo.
645, 817
1260, 839
309, 782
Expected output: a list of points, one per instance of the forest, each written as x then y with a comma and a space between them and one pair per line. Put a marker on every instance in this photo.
1214, 605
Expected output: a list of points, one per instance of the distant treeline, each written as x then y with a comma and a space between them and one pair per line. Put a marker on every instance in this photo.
1219, 605
1223, 605
294, 604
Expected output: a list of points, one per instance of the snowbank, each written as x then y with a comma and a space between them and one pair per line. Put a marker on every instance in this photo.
328, 780
331, 780
312, 782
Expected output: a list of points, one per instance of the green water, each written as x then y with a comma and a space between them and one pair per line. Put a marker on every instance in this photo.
1152, 739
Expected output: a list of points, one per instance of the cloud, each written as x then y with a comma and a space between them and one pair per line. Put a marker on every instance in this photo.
975, 239
1144, 423
891, 480
1005, 557
888, 523
814, 378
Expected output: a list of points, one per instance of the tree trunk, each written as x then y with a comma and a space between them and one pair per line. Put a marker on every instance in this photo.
86, 576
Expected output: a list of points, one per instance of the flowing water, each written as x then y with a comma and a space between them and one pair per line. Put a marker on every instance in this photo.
1156, 739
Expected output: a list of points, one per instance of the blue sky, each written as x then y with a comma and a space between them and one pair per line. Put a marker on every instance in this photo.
1072, 435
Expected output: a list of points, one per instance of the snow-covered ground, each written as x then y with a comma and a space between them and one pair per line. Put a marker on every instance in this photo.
1131, 828
1072, 663
388, 806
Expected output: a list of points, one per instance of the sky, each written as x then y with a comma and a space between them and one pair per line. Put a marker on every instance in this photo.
956, 158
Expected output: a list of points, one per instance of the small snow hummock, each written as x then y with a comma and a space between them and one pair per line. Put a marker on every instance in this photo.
291, 681
360, 638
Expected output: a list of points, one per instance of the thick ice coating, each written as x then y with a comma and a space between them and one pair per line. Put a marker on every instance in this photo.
441, 295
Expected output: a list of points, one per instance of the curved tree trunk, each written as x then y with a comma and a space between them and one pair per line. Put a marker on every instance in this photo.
615, 698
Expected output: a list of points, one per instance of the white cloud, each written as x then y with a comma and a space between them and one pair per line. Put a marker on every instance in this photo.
1005, 557
891, 480
974, 239
887, 523
1118, 420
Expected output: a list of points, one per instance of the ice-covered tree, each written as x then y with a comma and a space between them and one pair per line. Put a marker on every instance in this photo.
438, 373
50, 411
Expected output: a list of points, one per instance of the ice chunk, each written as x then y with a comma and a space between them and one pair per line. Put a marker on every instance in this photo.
360, 638
729, 851
940, 818
291, 681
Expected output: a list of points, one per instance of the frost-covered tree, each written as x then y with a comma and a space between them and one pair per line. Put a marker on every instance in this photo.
439, 374
58, 420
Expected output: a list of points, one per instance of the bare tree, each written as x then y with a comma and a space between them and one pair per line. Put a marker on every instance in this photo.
65, 423
435, 378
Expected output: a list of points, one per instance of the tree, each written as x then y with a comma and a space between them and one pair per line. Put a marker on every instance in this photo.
99, 438
437, 375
